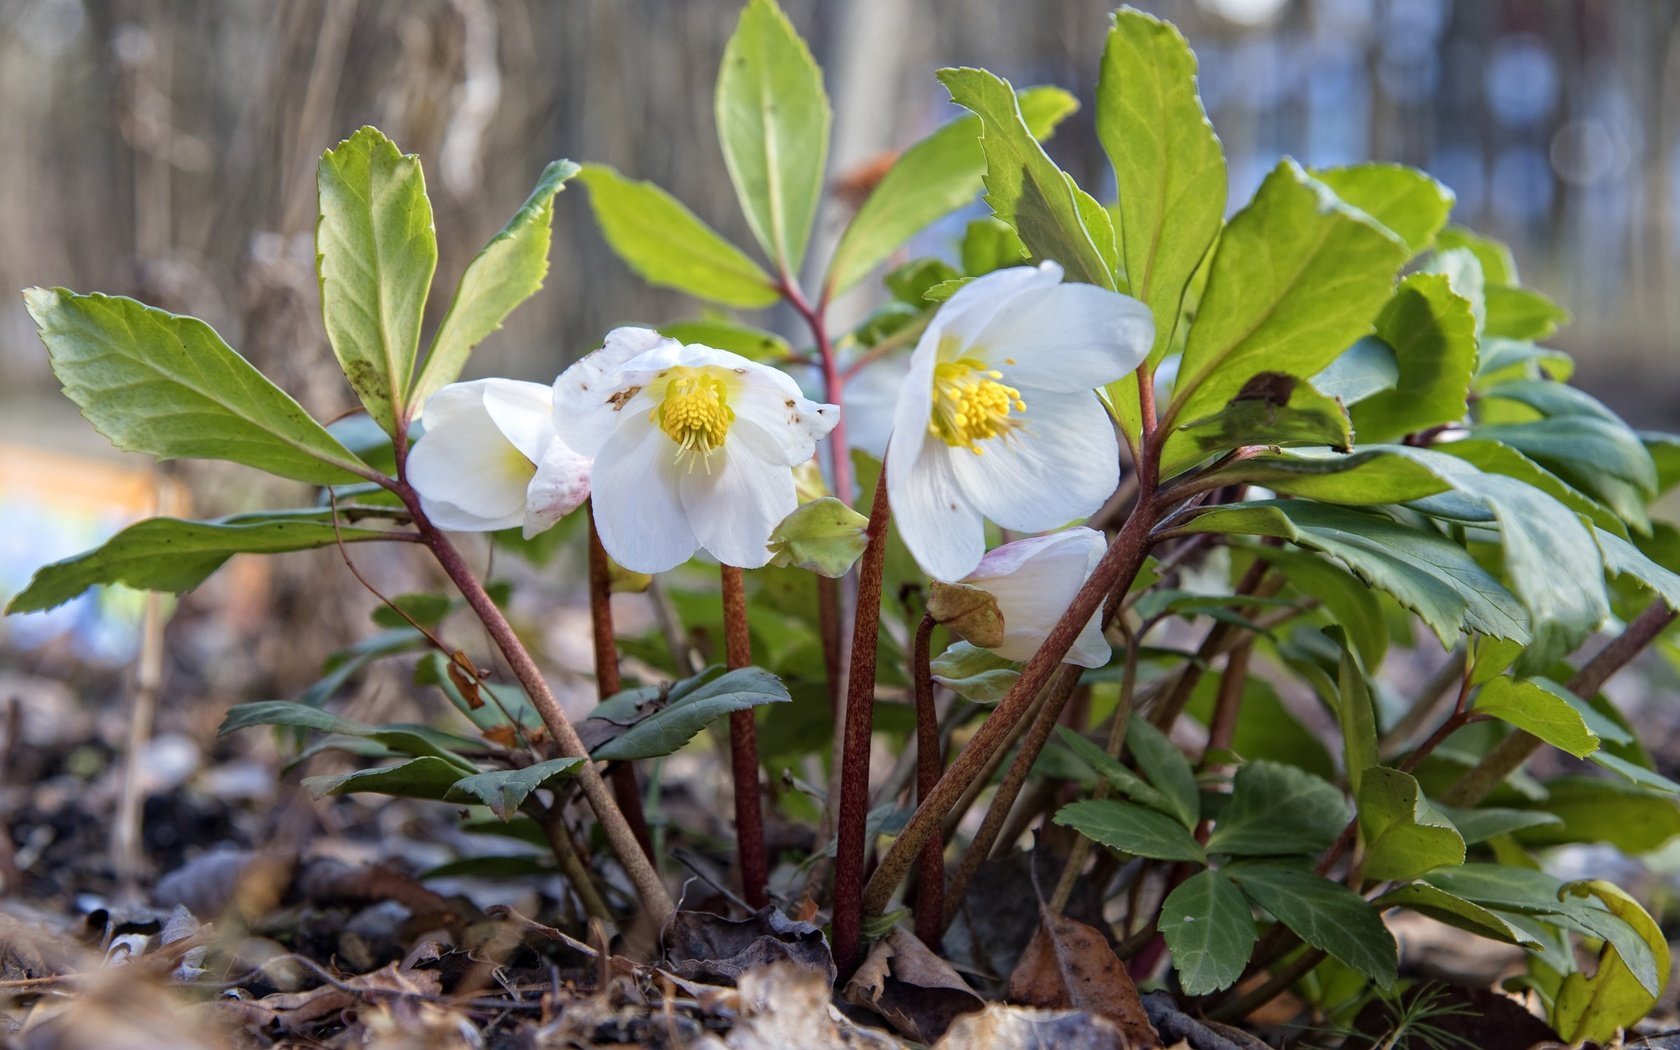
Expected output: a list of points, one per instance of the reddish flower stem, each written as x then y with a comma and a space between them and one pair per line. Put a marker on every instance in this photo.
854, 752
607, 682
743, 748
930, 763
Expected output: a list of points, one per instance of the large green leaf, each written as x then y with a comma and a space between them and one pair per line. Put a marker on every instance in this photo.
1543, 712
1272, 408
1405, 836
1433, 335
1023, 185
1115, 772
416, 740
1132, 829
1442, 906
1325, 914
676, 722
1521, 313
1601, 457
1494, 458
1169, 170
1357, 713
1276, 809
505, 790
168, 554
1166, 768
1209, 929
668, 246
1494, 258
428, 778
1296, 278
1424, 571
167, 385
1595, 809
375, 252
503, 274
936, 176
1622, 558
772, 121
1405, 200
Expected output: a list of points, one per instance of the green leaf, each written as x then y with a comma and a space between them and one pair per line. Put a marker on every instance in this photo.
416, 740
375, 252
167, 385
989, 244
1433, 335
505, 790
1520, 313
1537, 710
1209, 929
1595, 809
1169, 170
1603, 458
1405, 200
1493, 458
1424, 571
1367, 367
772, 121
1326, 915
1272, 408
1442, 906
428, 778
933, 178
1278, 810
1023, 185
503, 274
1465, 276
721, 333
668, 246
1479, 825
1595, 1008
1495, 258
675, 724
1502, 359
823, 536
168, 554
1161, 761
1358, 715
1131, 829
1634, 773
1405, 836
1296, 278
975, 674
1110, 769
425, 608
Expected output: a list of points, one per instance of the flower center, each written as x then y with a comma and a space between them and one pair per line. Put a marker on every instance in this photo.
694, 413
970, 405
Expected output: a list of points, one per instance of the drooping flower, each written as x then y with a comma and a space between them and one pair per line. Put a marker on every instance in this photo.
693, 447
998, 416
489, 459
1033, 582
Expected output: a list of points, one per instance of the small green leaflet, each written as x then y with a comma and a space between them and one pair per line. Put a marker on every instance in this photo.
1405, 835
675, 724
1132, 829
1277, 809
1407, 201
1325, 914
1209, 928
505, 790
1530, 706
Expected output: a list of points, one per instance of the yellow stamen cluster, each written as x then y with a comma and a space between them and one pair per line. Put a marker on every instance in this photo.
694, 413
970, 405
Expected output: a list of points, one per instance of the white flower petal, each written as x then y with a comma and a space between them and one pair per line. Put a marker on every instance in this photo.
734, 508
524, 412
1090, 649
939, 525
559, 487
452, 401
915, 403
770, 402
469, 476
1067, 338
1033, 581
636, 505
1058, 466
871, 398
967, 313
589, 397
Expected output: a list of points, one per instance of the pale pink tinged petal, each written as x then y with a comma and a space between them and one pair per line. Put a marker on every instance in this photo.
1068, 338
770, 402
1034, 583
1090, 649
637, 509
1058, 466
942, 529
871, 398
734, 508
591, 396
469, 477
559, 487
523, 411
967, 313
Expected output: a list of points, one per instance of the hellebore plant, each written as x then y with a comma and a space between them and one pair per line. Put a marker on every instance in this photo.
1489, 517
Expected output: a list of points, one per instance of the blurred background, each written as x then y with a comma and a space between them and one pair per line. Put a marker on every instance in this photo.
165, 149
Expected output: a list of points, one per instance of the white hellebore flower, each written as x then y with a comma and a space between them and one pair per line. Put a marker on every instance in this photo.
489, 459
693, 447
1033, 582
998, 417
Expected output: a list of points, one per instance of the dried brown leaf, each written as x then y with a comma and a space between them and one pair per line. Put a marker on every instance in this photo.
787, 1007
1004, 1027
1069, 965
915, 990
702, 946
